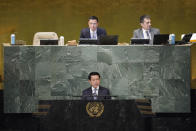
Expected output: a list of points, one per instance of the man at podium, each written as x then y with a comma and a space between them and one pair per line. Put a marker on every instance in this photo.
93, 31
95, 92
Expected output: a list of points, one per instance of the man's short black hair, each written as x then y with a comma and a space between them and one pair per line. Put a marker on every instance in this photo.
144, 17
93, 18
93, 74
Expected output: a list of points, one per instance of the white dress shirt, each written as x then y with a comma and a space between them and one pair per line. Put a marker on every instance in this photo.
93, 34
93, 90
145, 35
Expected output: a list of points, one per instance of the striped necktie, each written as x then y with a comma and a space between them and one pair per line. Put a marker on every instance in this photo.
94, 93
94, 35
147, 34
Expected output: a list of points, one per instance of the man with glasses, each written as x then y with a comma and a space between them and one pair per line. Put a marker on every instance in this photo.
146, 32
93, 31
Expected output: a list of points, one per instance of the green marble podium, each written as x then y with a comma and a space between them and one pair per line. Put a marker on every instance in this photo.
159, 73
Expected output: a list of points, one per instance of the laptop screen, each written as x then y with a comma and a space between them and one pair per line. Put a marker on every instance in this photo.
136, 41
161, 39
108, 40
88, 41
48, 42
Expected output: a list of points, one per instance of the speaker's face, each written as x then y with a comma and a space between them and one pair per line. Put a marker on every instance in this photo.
93, 24
94, 81
146, 24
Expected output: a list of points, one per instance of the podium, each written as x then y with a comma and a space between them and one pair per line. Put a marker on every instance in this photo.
72, 115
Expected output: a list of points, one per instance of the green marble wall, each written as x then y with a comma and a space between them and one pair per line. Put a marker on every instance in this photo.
160, 73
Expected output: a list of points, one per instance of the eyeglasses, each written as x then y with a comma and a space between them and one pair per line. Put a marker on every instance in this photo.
92, 23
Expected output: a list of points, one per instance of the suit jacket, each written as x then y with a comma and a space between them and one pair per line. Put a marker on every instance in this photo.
138, 33
85, 33
103, 94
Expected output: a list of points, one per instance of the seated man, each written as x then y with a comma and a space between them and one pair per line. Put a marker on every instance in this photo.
93, 31
146, 32
95, 92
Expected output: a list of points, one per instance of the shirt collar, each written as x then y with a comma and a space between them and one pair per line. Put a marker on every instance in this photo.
144, 33
145, 30
93, 31
94, 88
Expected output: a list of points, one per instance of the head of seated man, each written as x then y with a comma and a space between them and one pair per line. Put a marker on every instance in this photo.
93, 23
93, 31
145, 22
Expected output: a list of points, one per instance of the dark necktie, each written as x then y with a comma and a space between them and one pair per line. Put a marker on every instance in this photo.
147, 34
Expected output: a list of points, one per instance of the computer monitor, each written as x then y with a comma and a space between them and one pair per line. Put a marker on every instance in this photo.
161, 39
136, 41
48, 42
108, 40
88, 41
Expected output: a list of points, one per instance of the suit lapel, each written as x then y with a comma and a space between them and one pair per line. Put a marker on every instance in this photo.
100, 93
141, 33
151, 34
88, 33
98, 32
90, 91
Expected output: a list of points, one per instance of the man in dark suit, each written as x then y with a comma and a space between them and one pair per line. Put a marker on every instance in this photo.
93, 31
146, 32
95, 92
